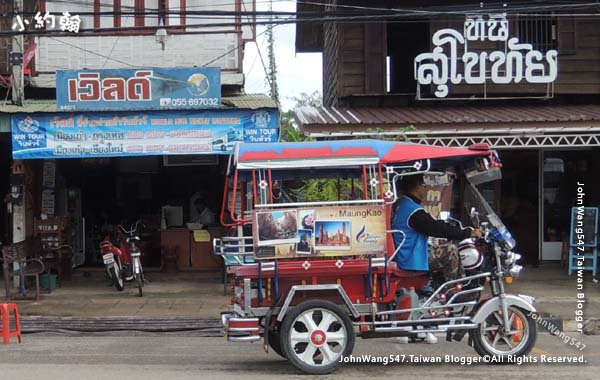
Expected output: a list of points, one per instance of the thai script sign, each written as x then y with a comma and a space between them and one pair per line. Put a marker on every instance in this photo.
119, 134
439, 193
517, 62
320, 232
138, 89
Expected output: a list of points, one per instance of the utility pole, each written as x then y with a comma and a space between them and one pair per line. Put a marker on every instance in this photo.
272, 64
16, 59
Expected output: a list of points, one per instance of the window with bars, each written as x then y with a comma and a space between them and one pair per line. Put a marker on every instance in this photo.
539, 31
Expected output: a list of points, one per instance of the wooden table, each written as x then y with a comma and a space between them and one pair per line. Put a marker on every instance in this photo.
194, 251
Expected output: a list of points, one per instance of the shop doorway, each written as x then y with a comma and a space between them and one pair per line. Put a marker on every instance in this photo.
101, 193
519, 207
561, 172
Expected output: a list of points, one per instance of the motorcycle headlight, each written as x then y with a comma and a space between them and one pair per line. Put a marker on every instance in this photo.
515, 270
512, 258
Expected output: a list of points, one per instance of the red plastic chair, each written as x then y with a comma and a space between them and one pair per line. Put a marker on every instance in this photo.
6, 332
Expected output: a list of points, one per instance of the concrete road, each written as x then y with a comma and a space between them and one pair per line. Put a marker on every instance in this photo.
180, 358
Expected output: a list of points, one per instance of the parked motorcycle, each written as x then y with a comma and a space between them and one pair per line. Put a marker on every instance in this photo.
111, 255
124, 263
131, 240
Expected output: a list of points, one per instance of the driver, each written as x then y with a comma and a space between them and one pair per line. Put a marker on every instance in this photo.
412, 219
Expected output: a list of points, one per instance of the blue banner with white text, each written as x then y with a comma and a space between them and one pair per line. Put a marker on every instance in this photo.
122, 134
138, 89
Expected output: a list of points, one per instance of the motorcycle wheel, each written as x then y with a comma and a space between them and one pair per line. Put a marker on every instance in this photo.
140, 283
315, 335
139, 278
490, 340
116, 275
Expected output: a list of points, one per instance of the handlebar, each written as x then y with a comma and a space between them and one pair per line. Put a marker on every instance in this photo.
133, 227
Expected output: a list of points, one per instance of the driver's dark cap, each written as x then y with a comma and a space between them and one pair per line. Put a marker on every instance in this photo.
411, 182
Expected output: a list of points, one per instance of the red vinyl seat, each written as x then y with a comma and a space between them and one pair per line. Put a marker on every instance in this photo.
408, 278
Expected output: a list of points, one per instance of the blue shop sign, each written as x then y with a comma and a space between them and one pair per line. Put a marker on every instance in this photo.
122, 134
138, 89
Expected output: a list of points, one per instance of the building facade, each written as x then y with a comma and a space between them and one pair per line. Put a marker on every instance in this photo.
522, 79
133, 117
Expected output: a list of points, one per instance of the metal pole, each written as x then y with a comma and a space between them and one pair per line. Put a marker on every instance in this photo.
540, 204
17, 69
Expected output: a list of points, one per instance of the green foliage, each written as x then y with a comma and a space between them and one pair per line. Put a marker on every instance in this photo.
378, 133
315, 190
289, 129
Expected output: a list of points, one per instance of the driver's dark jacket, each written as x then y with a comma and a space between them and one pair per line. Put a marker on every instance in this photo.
417, 225
423, 223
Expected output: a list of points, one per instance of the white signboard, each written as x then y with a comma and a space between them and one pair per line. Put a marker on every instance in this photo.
517, 62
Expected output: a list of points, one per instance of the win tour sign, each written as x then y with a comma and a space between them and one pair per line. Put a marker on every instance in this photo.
138, 89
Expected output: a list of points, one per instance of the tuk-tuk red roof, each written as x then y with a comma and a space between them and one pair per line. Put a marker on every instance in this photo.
350, 151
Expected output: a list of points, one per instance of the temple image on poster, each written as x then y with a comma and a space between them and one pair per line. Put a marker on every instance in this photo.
277, 227
332, 235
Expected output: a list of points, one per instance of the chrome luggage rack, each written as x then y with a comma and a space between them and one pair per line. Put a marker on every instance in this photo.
235, 248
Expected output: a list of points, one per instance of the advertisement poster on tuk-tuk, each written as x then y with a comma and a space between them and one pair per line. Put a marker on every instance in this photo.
439, 193
320, 231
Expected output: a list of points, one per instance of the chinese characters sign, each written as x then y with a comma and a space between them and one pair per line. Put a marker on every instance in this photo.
517, 61
120, 134
138, 89
66, 22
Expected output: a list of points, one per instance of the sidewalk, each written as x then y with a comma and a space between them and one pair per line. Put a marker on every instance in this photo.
555, 293
200, 296
185, 295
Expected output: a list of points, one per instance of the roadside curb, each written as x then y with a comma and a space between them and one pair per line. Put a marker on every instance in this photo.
207, 327
590, 326
202, 327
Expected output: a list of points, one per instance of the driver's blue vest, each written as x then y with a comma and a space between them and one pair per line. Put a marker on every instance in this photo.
414, 254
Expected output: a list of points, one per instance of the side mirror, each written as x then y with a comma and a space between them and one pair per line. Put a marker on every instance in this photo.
474, 216
473, 212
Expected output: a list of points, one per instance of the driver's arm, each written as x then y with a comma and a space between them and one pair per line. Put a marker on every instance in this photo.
424, 223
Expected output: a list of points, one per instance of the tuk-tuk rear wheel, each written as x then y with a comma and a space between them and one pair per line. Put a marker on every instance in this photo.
275, 343
315, 335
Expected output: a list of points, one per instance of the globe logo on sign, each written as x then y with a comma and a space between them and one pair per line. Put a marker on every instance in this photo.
261, 119
198, 84
28, 125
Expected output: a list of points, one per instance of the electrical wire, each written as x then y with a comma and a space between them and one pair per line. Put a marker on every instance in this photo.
93, 52
429, 11
237, 47
341, 19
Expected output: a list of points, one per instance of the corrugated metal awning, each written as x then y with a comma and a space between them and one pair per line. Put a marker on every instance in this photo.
501, 127
420, 116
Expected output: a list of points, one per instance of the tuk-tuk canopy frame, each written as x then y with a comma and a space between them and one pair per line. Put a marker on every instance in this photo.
379, 161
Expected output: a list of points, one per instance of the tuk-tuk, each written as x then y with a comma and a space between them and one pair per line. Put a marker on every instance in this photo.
313, 274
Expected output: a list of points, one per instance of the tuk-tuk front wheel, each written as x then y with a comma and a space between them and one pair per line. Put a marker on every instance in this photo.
315, 335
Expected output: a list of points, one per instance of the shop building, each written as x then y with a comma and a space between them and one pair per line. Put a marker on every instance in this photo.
162, 33
127, 124
89, 187
432, 80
